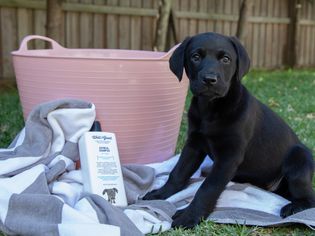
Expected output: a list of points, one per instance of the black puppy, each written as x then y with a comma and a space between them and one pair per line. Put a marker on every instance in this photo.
247, 141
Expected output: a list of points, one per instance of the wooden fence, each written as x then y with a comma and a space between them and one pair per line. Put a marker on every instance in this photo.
131, 24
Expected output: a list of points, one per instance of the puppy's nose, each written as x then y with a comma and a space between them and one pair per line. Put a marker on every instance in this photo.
210, 79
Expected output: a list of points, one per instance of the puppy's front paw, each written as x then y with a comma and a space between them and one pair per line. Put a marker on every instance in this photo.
296, 207
288, 210
156, 194
185, 218
152, 195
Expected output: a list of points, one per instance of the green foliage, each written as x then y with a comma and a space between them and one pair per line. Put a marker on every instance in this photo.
11, 120
291, 95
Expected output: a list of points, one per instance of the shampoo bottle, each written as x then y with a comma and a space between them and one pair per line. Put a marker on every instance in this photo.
100, 165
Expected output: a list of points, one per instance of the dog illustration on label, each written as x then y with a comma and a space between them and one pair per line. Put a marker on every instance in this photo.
111, 194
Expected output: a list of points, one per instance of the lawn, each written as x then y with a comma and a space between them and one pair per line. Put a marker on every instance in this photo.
289, 93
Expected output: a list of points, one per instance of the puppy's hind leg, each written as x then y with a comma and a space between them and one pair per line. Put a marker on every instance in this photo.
298, 171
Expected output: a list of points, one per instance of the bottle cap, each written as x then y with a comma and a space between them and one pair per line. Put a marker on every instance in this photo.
96, 126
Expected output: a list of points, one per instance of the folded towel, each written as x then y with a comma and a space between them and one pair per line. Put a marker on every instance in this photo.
42, 193
238, 204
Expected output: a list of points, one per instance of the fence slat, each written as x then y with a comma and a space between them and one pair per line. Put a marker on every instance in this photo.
8, 39
211, 10
130, 24
124, 28
235, 11
72, 28
262, 37
112, 27
24, 25
192, 24
227, 10
312, 50
202, 24
277, 34
183, 23
147, 33
135, 27
99, 24
219, 8
86, 28
268, 38
39, 27
309, 36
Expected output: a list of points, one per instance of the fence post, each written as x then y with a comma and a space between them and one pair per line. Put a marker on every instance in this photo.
245, 9
292, 49
54, 19
162, 24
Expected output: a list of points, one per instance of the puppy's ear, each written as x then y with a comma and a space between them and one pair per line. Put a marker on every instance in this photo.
243, 61
177, 59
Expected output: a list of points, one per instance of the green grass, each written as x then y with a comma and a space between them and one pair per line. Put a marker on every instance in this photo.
11, 120
292, 95
289, 93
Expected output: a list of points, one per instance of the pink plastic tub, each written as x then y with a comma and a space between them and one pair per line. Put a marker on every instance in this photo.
136, 95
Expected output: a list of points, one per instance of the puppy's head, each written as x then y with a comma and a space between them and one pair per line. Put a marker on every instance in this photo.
211, 61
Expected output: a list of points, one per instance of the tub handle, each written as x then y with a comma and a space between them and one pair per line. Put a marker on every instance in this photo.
54, 44
168, 55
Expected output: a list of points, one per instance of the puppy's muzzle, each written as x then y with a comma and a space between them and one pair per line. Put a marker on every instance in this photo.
210, 79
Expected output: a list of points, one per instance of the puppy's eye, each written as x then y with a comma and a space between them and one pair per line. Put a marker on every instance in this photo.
225, 60
195, 57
